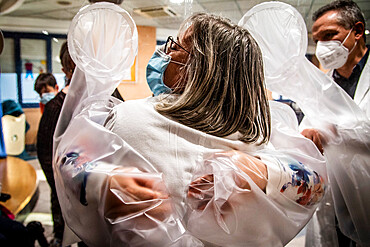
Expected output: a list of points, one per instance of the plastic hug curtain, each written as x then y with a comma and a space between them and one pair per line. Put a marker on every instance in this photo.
282, 36
129, 176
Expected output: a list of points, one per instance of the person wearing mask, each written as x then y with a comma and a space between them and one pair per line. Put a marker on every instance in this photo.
205, 104
46, 86
339, 31
45, 134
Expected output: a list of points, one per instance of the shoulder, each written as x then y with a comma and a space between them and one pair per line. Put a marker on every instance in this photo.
135, 107
54, 106
56, 102
130, 111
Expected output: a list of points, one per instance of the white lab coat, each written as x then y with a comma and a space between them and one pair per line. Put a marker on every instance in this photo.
142, 137
86, 152
362, 95
321, 229
282, 37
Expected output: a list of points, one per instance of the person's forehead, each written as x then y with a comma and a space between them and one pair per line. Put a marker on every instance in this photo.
48, 88
329, 20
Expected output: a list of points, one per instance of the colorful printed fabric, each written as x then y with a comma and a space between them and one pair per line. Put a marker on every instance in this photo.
306, 187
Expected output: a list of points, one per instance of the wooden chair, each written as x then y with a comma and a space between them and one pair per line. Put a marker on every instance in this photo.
19, 180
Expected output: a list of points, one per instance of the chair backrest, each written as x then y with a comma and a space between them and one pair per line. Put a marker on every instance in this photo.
14, 130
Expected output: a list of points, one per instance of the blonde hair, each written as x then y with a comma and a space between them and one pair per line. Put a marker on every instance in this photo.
224, 89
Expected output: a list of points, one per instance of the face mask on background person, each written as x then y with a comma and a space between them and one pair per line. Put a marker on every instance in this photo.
333, 54
46, 97
155, 71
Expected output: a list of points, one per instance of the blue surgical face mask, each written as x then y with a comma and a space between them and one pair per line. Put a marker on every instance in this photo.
155, 70
46, 97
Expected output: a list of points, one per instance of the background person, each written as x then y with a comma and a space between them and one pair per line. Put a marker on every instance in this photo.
46, 86
339, 31
45, 135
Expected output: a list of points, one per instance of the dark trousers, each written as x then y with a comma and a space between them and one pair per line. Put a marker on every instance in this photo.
343, 240
14, 234
56, 211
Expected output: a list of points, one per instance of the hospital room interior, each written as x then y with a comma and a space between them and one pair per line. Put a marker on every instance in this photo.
184, 123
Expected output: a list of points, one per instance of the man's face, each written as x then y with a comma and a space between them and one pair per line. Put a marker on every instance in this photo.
327, 28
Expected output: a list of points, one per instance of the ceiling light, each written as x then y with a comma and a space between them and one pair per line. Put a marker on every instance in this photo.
45, 32
367, 32
56, 40
177, 1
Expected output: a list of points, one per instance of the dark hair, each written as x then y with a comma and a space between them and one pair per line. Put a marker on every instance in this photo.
224, 91
65, 59
348, 13
44, 80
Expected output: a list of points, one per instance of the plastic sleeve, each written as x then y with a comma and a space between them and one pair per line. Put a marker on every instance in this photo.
293, 179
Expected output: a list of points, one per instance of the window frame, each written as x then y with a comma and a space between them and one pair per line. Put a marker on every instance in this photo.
17, 36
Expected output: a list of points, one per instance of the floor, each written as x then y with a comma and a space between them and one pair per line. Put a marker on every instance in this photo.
41, 212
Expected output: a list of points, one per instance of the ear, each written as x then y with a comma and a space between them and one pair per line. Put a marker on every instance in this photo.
56, 88
359, 29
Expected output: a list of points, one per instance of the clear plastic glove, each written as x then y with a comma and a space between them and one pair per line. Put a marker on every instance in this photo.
315, 136
133, 193
202, 188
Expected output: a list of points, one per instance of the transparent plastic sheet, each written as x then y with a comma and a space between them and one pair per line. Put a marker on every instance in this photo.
113, 192
103, 42
282, 37
229, 208
182, 166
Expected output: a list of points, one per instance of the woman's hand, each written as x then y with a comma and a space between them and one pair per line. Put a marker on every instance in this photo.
202, 188
251, 166
315, 136
134, 193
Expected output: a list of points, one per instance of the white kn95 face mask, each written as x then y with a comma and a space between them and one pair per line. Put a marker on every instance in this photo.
333, 54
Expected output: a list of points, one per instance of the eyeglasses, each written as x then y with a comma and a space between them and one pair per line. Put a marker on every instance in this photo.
170, 45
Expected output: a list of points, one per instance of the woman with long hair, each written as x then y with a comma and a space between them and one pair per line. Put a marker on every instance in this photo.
193, 165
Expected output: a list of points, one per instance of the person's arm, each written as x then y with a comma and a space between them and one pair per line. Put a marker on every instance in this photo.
239, 198
294, 180
45, 135
271, 174
122, 199
315, 136
130, 192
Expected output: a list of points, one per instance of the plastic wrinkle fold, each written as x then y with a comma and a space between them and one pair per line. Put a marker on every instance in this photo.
175, 186
343, 123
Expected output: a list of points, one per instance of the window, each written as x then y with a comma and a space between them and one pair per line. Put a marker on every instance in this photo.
8, 76
33, 60
25, 56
